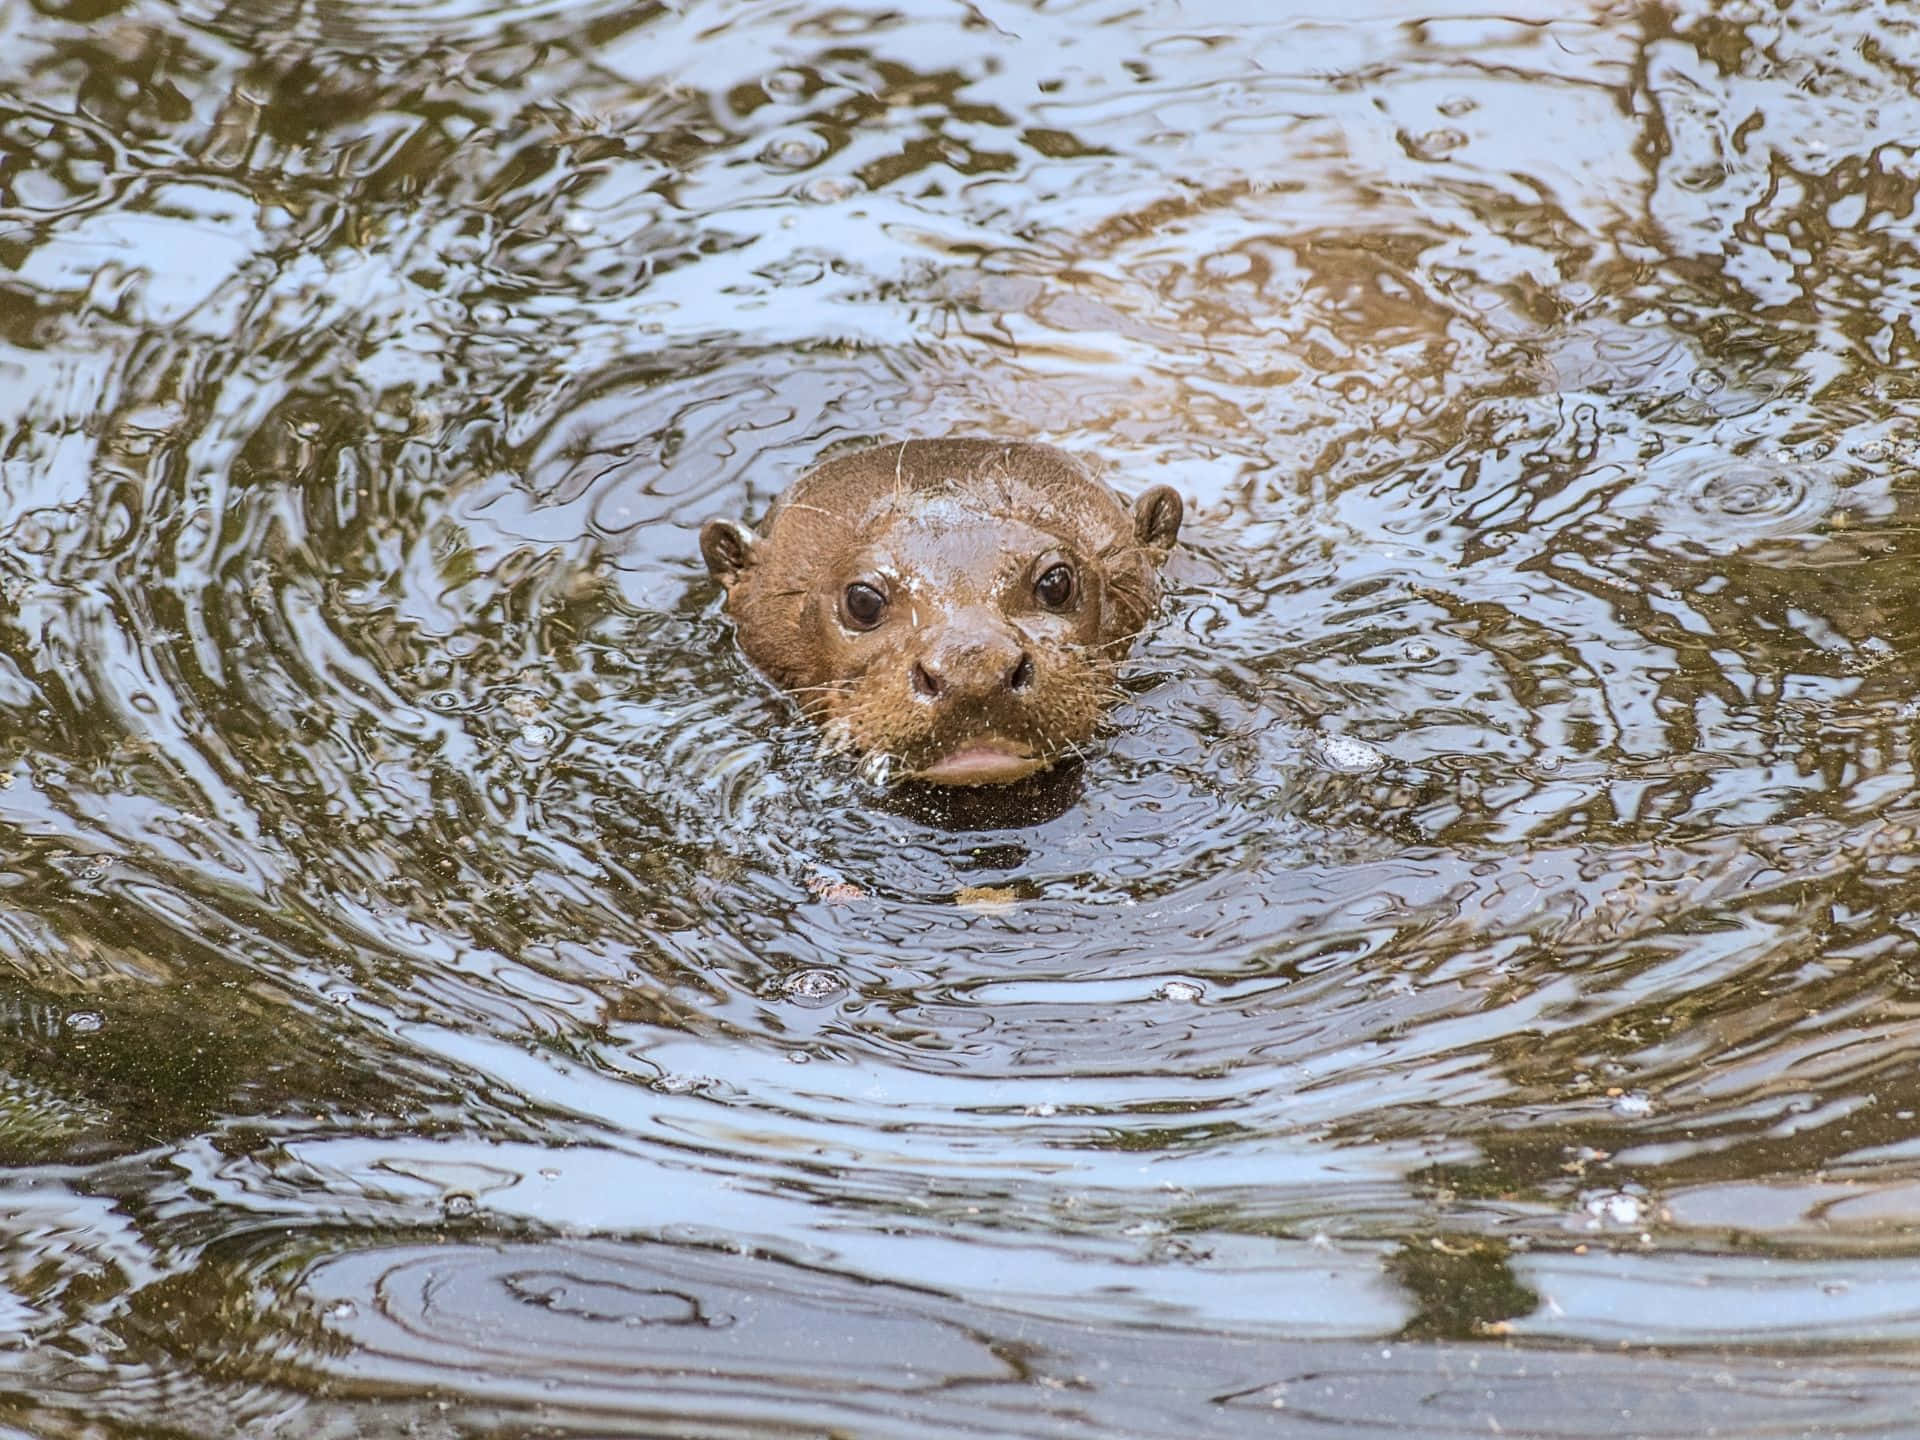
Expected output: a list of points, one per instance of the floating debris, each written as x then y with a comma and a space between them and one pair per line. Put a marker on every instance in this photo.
986, 899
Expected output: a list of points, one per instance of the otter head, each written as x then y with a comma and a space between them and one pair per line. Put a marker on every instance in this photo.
958, 607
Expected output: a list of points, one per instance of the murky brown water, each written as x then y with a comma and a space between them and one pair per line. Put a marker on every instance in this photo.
442, 988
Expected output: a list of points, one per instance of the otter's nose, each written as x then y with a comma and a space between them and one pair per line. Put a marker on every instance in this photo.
929, 678
972, 658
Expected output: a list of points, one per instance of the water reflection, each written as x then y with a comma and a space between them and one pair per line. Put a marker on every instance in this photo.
437, 965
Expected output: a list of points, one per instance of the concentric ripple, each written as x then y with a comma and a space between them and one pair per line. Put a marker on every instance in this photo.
444, 987
1719, 504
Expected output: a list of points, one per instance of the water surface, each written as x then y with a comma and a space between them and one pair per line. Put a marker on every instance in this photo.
1472, 987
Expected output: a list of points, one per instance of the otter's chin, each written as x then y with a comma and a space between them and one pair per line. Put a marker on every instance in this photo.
981, 762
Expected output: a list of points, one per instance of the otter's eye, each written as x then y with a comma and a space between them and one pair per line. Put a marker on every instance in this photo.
863, 605
1055, 588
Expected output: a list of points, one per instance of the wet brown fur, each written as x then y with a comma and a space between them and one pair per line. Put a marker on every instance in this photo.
952, 531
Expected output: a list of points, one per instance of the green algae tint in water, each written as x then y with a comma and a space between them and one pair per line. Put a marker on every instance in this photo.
1473, 987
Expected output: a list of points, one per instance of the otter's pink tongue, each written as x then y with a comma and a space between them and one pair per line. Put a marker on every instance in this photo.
987, 763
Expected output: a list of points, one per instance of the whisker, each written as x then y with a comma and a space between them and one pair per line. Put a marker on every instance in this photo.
826, 688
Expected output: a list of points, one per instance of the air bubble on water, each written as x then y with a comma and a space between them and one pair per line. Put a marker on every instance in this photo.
339, 994
1614, 1207
794, 150
1633, 1105
1418, 651
785, 84
1454, 106
1045, 1110
85, 1022
681, 1082
1344, 755
458, 1205
829, 189
814, 987
342, 1310
537, 736
1184, 991
1226, 265
1435, 144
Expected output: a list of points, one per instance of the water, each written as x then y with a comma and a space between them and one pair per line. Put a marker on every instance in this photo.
1472, 987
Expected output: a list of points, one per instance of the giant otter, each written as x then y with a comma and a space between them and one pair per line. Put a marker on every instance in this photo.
956, 608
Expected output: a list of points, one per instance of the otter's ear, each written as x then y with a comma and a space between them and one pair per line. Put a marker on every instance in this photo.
1156, 517
727, 546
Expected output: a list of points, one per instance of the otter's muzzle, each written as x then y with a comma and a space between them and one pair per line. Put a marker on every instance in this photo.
971, 658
